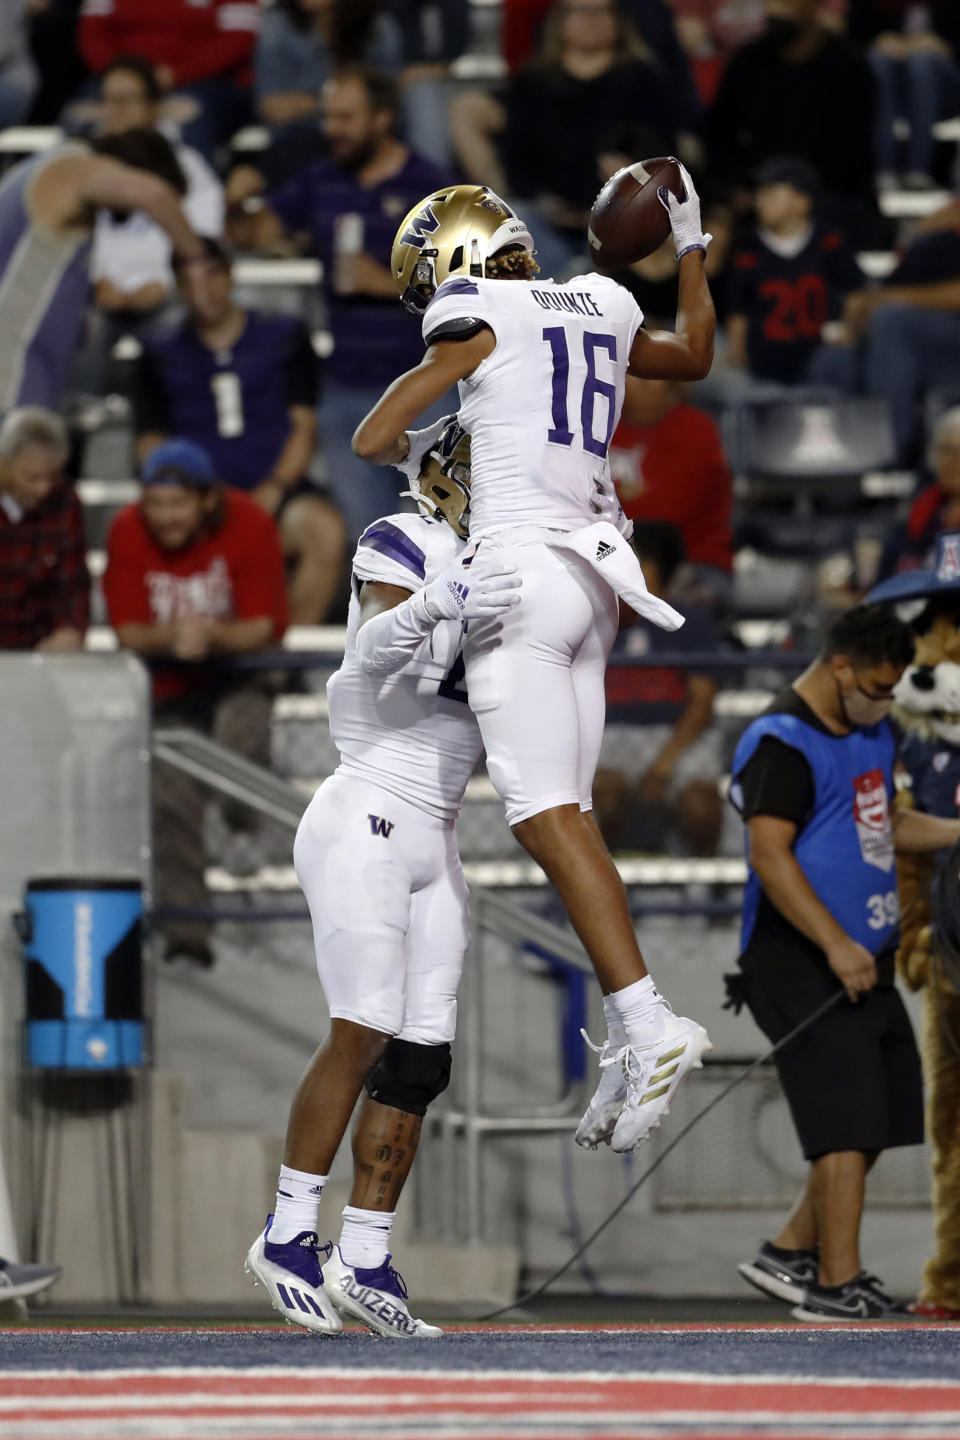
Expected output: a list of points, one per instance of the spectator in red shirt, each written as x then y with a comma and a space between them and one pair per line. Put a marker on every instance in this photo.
201, 51
44, 585
672, 467
660, 763
194, 572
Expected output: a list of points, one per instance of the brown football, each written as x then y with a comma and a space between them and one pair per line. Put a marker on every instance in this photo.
628, 222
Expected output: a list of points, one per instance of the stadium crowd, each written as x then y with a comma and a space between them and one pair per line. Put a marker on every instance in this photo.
307, 128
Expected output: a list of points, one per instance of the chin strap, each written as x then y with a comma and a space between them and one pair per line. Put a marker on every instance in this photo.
429, 506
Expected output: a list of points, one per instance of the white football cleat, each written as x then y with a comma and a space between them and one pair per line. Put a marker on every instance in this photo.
603, 1112
292, 1276
653, 1074
376, 1297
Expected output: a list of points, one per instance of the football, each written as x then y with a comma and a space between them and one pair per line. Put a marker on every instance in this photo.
628, 222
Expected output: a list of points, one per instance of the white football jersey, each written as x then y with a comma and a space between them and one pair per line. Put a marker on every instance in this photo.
412, 732
540, 410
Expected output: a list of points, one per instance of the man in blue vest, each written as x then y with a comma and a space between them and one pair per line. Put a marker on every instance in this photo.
813, 779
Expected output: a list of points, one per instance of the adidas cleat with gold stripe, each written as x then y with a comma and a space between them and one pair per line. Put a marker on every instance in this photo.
603, 1112
653, 1075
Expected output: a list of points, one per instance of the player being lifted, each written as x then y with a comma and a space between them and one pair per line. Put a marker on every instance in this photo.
542, 369
376, 854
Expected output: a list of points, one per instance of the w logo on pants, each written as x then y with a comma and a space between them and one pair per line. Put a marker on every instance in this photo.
379, 826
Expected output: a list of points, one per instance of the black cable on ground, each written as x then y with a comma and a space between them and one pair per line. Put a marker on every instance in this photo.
798, 1030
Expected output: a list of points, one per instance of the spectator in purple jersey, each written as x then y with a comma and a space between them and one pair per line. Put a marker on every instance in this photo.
244, 387
348, 207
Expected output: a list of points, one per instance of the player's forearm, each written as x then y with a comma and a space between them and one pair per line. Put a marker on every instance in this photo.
696, 317
381, 437
915, 833
786, 887
388, 640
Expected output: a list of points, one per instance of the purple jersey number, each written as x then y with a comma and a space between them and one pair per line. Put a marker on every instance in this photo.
560, 433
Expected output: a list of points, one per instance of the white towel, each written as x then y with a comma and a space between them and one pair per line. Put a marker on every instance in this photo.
615, 560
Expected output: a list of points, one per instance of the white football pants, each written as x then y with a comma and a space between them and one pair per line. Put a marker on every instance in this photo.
535, 678
389, 907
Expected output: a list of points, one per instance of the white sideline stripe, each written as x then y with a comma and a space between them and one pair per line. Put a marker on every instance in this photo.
605, 1377
491, 873
729, 704
464, 1410
460, 1427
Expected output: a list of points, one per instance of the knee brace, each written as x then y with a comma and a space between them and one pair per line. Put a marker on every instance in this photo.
409, 1076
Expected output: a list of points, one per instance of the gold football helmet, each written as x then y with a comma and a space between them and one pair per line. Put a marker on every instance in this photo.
452, 232
443, 485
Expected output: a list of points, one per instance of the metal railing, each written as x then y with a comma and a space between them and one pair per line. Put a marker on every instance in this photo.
466, 1126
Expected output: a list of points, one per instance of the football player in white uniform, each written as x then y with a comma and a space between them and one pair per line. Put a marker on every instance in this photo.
376, 855
543, 370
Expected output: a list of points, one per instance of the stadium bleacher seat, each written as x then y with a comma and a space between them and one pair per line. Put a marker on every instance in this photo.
802, 442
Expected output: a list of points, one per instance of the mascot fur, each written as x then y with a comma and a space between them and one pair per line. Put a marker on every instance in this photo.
928, 710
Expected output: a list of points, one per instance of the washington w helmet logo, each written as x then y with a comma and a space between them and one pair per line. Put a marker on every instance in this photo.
379, 826
420, 227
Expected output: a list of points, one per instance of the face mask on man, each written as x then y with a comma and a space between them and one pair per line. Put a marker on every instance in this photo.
861, 709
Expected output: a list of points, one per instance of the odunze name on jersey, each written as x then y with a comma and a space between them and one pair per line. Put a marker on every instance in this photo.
578, 302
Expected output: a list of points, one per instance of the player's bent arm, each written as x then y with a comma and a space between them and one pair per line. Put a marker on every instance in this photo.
391, 630
398, 623
915, 833
381, 435
688, 353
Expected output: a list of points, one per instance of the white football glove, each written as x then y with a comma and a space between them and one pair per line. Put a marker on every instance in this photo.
684, 215
420, 442
475, 592
605, 503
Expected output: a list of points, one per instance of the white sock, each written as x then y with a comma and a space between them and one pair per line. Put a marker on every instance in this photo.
365, 1237
640, 1008
616, 1035
297, 1204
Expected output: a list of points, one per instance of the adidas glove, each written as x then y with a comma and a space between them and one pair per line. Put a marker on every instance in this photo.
485, 588
388, 641
605, 504
684, 215
420, 442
